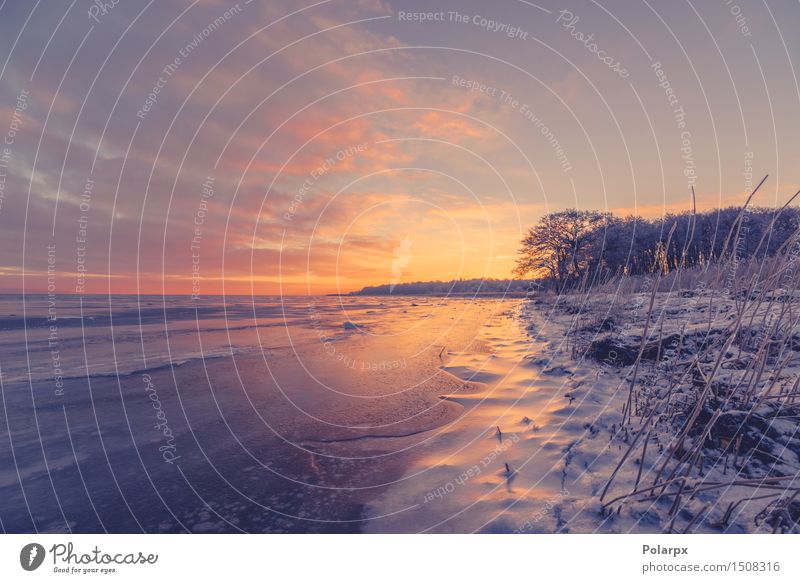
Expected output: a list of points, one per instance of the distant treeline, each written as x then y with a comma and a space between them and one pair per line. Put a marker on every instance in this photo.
454, 287
569, 247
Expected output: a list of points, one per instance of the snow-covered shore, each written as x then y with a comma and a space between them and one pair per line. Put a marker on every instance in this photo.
537, 445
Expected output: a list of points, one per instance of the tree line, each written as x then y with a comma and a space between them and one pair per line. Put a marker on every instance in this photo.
569, 247
477, 286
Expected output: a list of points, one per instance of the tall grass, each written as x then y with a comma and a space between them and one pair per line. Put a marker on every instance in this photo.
709, 416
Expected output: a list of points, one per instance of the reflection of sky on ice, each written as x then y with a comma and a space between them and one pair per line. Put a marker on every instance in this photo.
309, 403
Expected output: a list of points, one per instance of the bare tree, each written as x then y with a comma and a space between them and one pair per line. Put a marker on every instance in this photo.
560, 246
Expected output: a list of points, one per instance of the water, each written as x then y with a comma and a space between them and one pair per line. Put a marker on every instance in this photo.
164, 414
120, 334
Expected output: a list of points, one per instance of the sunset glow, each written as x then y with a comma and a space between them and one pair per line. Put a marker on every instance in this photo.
331, 134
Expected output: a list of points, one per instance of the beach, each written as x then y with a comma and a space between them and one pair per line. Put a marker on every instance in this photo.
591, 419
388, 415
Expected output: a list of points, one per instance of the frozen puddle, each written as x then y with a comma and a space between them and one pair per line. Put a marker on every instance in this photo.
509, 463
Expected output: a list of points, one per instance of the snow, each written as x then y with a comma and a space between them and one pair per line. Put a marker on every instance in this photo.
554, 416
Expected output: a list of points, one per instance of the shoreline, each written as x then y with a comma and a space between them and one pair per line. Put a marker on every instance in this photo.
235, 425
542, 449
507, 417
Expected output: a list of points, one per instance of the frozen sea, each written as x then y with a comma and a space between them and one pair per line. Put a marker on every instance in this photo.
267, 414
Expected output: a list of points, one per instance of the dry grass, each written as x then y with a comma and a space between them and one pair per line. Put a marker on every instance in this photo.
713, 393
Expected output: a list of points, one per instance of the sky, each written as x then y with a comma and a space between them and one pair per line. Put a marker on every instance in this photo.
286, 147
